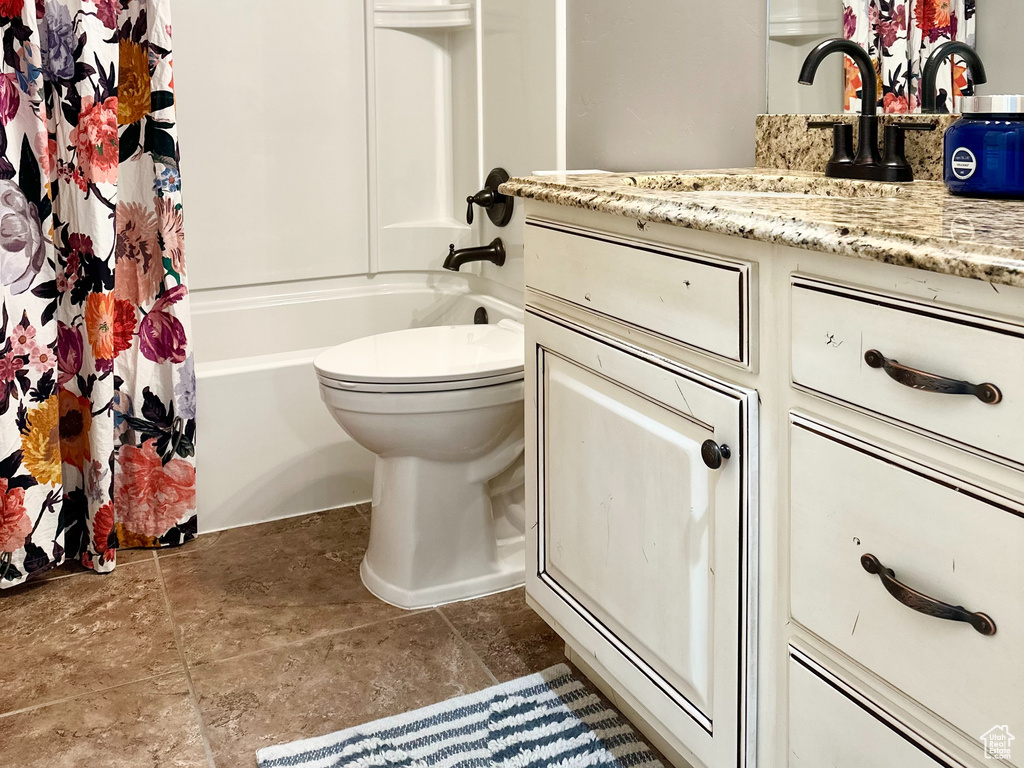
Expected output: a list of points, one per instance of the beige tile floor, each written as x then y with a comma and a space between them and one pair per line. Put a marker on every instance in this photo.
199, 656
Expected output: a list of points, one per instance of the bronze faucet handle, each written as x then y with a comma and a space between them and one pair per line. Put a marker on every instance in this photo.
497, 205
842, 142
931, 126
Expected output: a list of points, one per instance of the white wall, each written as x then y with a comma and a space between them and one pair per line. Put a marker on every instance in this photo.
663, 84
795, 27
448, 107
1001, 45
786, 96
272, 124
300, 164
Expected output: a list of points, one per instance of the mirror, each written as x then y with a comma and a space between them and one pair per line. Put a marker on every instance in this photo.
796, 26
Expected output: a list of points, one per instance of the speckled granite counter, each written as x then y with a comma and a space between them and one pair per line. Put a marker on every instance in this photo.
919, 225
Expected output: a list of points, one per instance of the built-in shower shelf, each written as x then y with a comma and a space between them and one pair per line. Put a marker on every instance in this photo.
800, 29
409, 16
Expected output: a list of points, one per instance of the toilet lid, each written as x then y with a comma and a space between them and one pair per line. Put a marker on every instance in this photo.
427, 355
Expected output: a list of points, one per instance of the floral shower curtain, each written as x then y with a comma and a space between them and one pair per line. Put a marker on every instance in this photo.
899, 35
97, 385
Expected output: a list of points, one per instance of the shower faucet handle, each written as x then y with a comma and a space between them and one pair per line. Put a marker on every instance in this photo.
484, 198
497, 205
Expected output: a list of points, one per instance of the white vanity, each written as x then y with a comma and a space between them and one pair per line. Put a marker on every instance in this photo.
749, 506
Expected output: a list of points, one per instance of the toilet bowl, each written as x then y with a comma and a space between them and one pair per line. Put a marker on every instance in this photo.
442, 409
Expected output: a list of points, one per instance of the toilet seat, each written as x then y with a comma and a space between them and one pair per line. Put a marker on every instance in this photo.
433, 359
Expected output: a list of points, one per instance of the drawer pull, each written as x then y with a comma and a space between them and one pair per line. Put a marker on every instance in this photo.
924, 604
929, 382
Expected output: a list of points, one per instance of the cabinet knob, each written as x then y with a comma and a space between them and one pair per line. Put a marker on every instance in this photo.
714, 454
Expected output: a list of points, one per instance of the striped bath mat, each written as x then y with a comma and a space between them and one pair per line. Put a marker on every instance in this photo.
547, 719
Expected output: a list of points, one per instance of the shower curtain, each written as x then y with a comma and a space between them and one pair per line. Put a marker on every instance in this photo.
97, 384
899, 35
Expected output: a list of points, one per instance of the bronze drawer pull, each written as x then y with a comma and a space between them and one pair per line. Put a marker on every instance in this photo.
924, 604
929, 382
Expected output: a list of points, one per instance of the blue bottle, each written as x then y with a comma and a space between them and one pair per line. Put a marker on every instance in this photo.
984, 149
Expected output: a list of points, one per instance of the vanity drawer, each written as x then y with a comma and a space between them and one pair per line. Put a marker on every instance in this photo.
832, 724
941, 536
835, 328
689, 298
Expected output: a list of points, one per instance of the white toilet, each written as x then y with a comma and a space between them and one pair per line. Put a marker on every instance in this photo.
442, 408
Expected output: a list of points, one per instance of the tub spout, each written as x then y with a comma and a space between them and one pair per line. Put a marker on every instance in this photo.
493, 252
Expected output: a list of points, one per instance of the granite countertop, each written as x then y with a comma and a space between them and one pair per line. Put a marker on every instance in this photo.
917, 225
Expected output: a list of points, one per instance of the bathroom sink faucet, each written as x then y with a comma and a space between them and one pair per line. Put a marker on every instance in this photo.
867, 149
493, 252
931, 71
867, 164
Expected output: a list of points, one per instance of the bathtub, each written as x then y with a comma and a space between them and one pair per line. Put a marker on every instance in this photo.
267, 448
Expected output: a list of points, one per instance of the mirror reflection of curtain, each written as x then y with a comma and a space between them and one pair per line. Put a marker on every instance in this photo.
900, 35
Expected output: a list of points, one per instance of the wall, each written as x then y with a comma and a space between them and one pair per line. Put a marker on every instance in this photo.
272, 124
355, 154
795, 27
275, 182
1000, 32
664, 84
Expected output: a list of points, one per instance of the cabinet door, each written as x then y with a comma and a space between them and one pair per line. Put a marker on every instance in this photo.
640, 551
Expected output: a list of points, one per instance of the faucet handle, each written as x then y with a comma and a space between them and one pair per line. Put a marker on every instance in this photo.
895, 149
916, 126
842, 142
485, 198
497, 205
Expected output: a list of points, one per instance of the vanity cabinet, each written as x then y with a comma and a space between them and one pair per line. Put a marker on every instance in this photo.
846, 589
643, 527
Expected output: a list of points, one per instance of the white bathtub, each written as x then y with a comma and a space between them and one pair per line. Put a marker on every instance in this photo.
267, 448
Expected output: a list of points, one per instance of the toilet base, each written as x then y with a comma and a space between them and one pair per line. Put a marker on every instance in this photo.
512, 575
434, 538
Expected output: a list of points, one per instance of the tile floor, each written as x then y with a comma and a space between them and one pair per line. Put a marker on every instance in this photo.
199, 656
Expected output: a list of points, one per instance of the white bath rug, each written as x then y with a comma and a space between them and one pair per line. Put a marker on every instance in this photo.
545, 720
